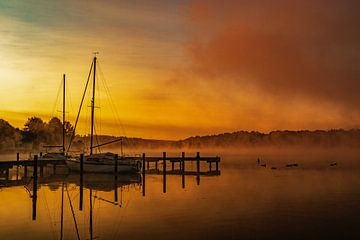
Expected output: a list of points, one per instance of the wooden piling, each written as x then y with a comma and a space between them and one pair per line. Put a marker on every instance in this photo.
17, 166
25, 171
198, 168
116, 178
41, 170
116, 165
115, 189
54, 169
81, 181
40, 154
35, 166
209, 166
164, 172
7, 174
183, 169
143, 174
34, 196
62, 211
156, 165
172, 166
91, 216
217, 166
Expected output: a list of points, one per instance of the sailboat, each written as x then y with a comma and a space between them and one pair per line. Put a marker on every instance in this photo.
99, 162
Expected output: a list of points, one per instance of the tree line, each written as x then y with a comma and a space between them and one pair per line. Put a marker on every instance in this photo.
35, 133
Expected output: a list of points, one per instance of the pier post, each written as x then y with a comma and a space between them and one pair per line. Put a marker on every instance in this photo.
217, 166
156, 165
40, 154
116, 164
17, 165
183, 169
172, 166
143, 174
148, 165
116, 178
7, 174
41, 170
209, 166
81, 181
164, 172
62, 211
198, 168
54, 169
34, 196
25, 171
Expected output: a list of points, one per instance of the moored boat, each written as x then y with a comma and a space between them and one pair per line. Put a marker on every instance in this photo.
99, 162
104, 163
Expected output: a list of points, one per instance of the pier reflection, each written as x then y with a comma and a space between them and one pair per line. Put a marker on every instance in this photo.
89, 189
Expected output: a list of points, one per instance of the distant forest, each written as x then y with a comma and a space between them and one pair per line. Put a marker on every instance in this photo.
37, 133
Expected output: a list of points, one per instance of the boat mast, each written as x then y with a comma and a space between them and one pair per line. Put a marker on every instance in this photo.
63, 133
92, 109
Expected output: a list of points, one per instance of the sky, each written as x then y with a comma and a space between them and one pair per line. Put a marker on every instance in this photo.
170, 69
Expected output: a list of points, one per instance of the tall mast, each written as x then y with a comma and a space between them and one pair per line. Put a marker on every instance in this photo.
92, 109
63, 134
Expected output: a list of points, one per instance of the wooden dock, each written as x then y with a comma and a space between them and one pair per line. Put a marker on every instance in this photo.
25, 163
150, 164
7, 180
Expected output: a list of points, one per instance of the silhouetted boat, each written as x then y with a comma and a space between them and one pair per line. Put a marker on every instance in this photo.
102, 162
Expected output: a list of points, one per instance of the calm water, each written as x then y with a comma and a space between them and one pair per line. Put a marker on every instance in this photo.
312, 201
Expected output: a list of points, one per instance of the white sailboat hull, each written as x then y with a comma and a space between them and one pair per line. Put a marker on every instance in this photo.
98, 167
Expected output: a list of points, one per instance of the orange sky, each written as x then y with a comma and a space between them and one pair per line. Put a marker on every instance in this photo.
181, 68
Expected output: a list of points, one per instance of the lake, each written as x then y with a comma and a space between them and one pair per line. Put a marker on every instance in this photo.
245, 201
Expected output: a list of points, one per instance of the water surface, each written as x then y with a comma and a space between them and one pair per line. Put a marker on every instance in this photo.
247, 201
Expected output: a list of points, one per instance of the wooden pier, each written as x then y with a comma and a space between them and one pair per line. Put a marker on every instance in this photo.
7, 180
148, 160
150, 165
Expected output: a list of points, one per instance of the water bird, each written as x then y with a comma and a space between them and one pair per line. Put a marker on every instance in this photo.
333, 164
273, 168
258, 161
263, 165
292, 165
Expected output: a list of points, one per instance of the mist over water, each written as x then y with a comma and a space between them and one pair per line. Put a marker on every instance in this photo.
247, 201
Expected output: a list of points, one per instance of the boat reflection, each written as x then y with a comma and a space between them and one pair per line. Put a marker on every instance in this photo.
78, 192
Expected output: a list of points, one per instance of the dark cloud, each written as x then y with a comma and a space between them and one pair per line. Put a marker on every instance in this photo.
306, 48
